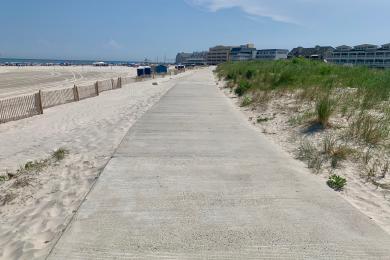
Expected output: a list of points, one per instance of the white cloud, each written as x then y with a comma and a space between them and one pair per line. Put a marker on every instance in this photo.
273, 9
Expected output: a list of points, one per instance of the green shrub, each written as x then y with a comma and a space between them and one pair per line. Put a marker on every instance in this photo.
249, 74
336, 182
231, 76
263, 119
242, 88
285, 78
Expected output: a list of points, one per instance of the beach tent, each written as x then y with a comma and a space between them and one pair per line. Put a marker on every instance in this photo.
161, 69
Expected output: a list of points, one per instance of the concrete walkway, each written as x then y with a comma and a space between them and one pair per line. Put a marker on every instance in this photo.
193, 180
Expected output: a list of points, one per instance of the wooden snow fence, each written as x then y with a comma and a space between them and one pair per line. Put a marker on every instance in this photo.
105, 85
15, 108
116, 83
87, 91
20, 107
51, 98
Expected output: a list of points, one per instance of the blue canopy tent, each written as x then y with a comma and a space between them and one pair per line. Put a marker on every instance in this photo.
161, 69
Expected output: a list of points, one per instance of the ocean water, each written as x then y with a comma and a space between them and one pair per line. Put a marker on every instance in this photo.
49, 61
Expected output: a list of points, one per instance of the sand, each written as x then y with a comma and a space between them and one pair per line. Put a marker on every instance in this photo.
22, 80
91, 130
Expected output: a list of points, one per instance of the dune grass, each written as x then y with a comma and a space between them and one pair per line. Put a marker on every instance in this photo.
25, 175
373, 85
332, 88
37, 166
324, 109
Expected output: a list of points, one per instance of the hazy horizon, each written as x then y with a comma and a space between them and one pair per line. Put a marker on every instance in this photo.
101, 30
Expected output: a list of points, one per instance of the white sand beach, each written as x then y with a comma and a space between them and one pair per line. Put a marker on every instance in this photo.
91, 130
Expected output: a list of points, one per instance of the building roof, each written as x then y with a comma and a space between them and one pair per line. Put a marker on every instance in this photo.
308, 52
243, 48
365, 46
344, 47
220, 47
184, 54
285, 50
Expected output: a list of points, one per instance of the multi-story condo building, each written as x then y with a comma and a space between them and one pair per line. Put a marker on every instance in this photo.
218, 54
243, 53
271, 54
362, 55
316, 53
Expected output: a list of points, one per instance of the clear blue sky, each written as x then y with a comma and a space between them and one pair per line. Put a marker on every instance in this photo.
133, 30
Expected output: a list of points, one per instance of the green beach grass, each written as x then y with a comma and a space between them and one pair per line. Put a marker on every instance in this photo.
372, 85
333, 88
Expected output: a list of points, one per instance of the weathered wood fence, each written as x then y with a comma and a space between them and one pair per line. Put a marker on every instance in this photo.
51, 98
20, 107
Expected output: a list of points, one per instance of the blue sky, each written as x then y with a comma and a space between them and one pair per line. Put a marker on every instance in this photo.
133, 30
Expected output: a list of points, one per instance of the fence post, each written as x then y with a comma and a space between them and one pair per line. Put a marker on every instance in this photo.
39, 101
76, 93
97, 88
120, 82
112, 84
